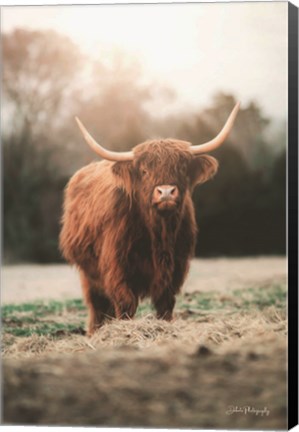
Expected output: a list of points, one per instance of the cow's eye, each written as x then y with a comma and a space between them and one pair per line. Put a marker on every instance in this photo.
144, 172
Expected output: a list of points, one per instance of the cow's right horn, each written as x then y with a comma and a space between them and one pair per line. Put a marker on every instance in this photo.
101, 151
221, 137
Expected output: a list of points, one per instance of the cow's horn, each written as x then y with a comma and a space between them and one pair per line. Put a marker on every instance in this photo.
101, 151
221, 137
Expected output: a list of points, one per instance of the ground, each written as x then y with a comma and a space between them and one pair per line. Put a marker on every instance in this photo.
221, 363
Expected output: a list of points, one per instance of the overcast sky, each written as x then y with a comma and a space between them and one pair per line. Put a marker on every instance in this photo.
197, 49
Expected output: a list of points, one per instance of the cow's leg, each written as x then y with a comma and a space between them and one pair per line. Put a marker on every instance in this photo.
164, 305
163, 294
99, 305
124, 301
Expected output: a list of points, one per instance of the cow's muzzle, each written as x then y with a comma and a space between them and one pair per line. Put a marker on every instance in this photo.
165, 197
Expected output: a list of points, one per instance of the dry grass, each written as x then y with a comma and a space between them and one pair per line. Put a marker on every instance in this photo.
221, 349
212, 329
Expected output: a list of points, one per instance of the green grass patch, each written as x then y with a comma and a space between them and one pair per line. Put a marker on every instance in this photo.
40, 318
45, 329
58, 319
38, 309
251, 298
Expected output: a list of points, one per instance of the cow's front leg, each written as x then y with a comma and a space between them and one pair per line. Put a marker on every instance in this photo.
124, 301
164, 305
99, 305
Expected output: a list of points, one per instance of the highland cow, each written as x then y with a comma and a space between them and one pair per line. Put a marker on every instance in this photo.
129, 223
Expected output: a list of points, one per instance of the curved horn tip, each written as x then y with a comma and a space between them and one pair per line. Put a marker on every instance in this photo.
82, 128
101, 151
237, 107
79, 123
235, 110
221, 137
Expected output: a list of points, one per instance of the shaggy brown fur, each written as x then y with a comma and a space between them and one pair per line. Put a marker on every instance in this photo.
125, 245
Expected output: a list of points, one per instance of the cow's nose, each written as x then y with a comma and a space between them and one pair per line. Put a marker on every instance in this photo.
166, 192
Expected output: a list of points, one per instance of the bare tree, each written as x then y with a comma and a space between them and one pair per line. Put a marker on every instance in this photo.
38, 73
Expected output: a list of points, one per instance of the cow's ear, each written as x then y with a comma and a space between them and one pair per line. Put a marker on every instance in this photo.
202, 169
124, 172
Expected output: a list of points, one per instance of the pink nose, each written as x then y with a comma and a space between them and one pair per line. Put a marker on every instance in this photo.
165, 192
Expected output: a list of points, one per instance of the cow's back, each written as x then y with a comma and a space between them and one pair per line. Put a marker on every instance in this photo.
86, 207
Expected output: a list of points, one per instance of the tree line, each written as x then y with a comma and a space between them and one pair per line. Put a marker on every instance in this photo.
47, 81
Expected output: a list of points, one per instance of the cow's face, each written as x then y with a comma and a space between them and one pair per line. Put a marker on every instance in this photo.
163, 172
162, 175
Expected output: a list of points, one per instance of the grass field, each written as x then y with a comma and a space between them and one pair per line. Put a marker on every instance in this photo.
64, 318
221, 363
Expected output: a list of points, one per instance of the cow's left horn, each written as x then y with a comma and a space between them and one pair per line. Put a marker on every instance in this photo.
101, 151
221, 137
